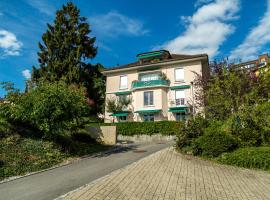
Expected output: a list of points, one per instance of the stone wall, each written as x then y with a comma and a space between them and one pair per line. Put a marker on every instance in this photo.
106, 134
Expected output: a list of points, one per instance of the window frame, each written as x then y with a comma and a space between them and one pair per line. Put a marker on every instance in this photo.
144, 102
120, 88
179, 80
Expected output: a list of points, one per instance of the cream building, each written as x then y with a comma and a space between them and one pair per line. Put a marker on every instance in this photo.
159, 85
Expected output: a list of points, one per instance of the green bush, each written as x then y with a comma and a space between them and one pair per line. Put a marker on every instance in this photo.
144, 128
148, 128
22, 155
191, 130
51, 108
214, 142
249, 157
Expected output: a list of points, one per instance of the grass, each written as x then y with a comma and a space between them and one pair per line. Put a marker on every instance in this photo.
19, 155
249, 157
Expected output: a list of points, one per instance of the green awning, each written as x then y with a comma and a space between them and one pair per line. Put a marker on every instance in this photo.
122, 93
120, 114
180, 87
147, 111
178, 109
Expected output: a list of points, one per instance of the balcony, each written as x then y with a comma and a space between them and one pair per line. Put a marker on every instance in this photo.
151, 83
181, 102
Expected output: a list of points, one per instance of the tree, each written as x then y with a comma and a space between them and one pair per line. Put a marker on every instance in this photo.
64, 51
53, 108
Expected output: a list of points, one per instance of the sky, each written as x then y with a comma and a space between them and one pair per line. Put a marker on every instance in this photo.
237, 29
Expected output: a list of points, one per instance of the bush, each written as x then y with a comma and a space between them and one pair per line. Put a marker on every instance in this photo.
52, 108
144, 128
148, 128
249, 157
214, 142
191, 130
22, 155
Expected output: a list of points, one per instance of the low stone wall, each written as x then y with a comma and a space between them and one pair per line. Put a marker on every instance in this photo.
107, 134
145, 138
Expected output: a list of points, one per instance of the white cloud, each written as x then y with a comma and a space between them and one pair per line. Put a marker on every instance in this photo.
9, 44
114, 24
26, 73
42, 6
206, 29
201, 2
256, 39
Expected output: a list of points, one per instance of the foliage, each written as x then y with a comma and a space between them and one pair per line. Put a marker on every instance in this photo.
63, 54
52, 108
226, 93
192, 129
120, 104
145, 128
20, 155
250, 157
214, 142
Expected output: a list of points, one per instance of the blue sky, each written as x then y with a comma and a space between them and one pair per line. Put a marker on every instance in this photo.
235, 28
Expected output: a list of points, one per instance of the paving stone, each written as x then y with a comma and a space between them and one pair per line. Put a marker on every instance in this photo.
168, 175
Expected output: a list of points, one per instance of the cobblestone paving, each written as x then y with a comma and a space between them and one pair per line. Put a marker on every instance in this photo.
169, 175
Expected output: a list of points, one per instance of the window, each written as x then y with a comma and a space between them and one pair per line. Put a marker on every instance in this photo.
149, 77
122, 98
122, 118
123, 82
179, 74
148, 98
148, 118
180, 97
180, 116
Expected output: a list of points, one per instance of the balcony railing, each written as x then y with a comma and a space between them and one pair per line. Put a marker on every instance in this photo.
151, 83
179, 102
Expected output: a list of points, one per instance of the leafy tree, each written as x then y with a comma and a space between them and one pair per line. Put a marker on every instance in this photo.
52, 108
64, 53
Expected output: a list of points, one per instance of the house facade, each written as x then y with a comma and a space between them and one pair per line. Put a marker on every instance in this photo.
159, 86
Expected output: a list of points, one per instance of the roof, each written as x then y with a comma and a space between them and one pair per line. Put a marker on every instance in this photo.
173, 57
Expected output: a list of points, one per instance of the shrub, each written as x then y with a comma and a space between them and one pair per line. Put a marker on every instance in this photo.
192, 129
148, 128
214, 142
144, 128
21, 155
52, 108
249, 157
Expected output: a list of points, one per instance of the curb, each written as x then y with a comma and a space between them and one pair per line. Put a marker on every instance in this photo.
115, 148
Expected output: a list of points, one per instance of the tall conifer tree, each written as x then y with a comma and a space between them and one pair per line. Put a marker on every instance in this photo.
64, 52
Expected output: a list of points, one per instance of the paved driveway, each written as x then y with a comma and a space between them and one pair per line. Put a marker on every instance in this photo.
169, 175
53, 183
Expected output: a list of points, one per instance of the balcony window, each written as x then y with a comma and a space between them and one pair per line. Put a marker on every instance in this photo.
149, 77
179, 74
123, 82
148, 98
180, 97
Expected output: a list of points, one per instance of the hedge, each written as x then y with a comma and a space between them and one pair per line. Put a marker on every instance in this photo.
249, 157
145, 128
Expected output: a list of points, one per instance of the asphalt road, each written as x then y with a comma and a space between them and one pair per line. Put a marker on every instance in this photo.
53, 183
